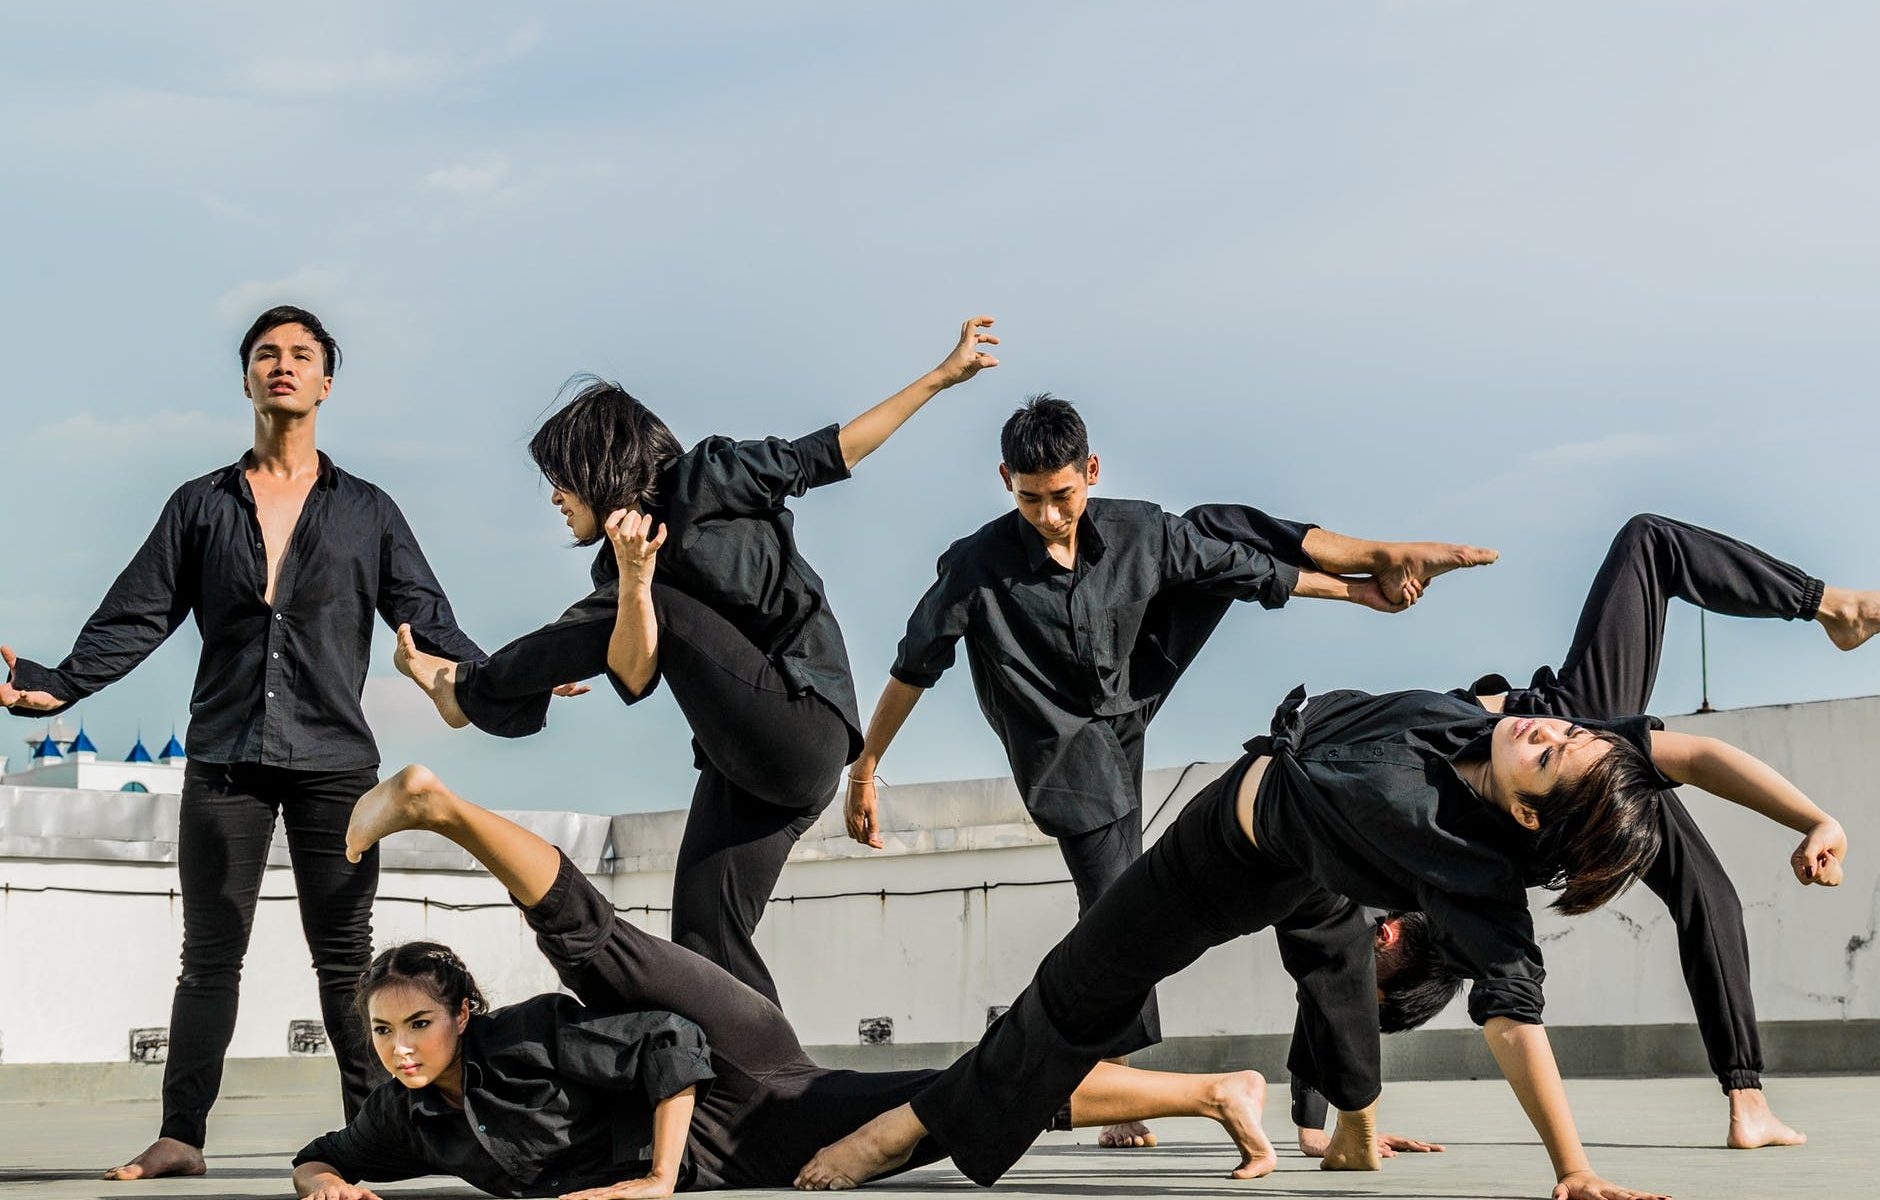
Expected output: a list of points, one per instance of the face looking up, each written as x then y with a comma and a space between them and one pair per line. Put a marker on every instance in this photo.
287, 371
1052, 501
415, 1036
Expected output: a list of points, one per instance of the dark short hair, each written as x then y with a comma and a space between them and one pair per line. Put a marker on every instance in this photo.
431, 967
287, 314
1044, 435
605, 447
1600, 831
1423, 984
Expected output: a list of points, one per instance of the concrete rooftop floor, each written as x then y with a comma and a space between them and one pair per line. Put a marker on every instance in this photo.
1664, 1134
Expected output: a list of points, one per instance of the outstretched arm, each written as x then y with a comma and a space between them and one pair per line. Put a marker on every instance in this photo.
1741, 778
1526, 1058
866, 433
891, 712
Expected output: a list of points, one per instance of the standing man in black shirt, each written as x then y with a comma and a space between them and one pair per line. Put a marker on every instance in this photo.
1079, 617
282, 559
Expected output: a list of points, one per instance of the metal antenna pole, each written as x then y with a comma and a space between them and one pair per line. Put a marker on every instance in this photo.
1703, 655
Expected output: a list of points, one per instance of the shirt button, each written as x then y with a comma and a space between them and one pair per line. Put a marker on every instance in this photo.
277, 616
276, 654
270, 695
483, 1129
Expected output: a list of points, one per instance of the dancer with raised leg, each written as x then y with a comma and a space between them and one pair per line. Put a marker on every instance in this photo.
1079, 614
1405, 801
1609, 672
701, 585
674, 1075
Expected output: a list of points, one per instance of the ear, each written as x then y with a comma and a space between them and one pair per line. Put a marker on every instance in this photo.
1005, 475
1090, 471
1524, 812
245, 390
463, 1015
326, 389
1389, 932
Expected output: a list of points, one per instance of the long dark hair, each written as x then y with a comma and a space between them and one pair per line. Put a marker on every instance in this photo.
431, 967
1600, 831
605, 447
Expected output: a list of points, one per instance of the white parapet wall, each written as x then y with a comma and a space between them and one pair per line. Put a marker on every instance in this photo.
946, 922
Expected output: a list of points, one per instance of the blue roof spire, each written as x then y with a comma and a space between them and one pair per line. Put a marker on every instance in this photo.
47, 749
82, 744
173, 748
138, 754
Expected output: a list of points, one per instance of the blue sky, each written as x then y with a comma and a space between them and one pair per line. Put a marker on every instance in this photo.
1501, 273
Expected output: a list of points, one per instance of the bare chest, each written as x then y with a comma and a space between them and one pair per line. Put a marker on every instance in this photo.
278, 505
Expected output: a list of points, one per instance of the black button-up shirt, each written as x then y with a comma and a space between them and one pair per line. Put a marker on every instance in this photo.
730, 544
1050, 646
1364, 796
556, 1099
276, 685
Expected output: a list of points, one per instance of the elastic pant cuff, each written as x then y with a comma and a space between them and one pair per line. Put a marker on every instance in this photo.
1060, 1120
1811, 599
1737, 1080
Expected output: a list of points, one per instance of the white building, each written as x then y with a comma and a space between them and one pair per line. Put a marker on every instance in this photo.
55, 760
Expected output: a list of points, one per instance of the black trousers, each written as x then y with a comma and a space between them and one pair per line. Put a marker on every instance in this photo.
770, 1109
1609, 671
227, 821
1201, 885
1175, 628
1098, 857
767, 759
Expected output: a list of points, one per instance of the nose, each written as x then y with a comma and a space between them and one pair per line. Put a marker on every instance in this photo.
399, 1047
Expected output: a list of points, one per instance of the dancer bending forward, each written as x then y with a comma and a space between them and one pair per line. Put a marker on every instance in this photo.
1411, 800
674, 1076
1609, 673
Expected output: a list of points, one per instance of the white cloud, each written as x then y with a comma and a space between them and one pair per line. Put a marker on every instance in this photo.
478, 175
307, 287
109, 439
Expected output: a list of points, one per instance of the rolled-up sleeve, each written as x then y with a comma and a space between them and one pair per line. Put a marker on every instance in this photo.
149, 599
758, 476
378, 1145
1223, 568
657, 1054
937, 624
1493, 941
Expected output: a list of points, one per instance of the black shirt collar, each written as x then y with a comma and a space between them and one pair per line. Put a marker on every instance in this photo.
232, 477
1038, 555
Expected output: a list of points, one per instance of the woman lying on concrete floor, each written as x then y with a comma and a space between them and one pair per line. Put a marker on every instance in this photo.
1608, 673
1407, 801
674, 1076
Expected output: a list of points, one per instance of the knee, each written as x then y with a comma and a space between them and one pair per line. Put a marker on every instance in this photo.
1642, 528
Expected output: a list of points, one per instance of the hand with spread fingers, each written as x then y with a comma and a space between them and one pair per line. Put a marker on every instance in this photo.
967, 359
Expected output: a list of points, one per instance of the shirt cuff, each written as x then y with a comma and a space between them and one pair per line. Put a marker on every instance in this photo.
1285, 579
29, 676
820, 456
669, 1070
1517, 999
913, 678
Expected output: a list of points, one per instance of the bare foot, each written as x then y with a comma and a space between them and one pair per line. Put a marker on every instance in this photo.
1312, 1142
1354, 1143
1236, 1102
881, 1145
411, 799
1130, 1135
165, 1156
431, 672
1849, 617
1753, 1125
1404, 562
